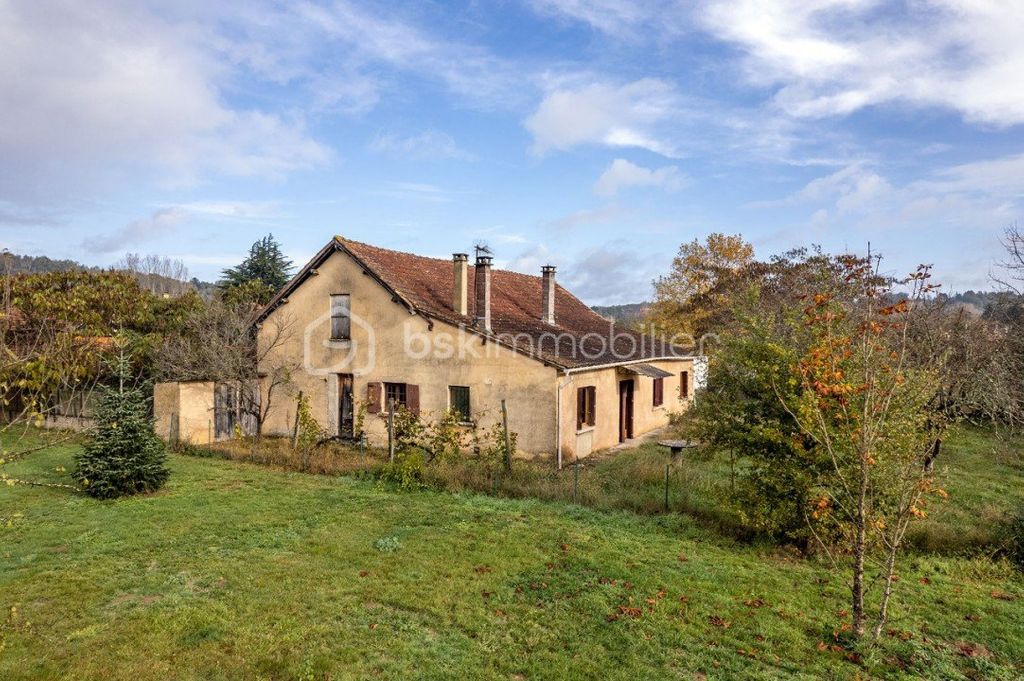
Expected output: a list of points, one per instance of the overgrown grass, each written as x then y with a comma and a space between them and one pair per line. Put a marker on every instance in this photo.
240, 571
984, 475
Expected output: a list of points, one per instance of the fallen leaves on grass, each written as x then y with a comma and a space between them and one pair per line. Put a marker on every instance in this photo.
363, 573
482, 569
972, 649
716, 621
1002, 596
754, 603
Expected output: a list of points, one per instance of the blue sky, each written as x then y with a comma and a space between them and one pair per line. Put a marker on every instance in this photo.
596, 135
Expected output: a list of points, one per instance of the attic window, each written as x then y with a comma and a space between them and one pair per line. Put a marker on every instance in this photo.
341, 317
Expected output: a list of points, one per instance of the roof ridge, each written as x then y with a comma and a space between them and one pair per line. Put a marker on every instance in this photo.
345, 241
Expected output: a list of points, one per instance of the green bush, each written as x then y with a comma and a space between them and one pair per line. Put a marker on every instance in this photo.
407, 470
124, 456
1015, 539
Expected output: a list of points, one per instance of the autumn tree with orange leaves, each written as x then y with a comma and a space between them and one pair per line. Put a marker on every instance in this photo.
857, 393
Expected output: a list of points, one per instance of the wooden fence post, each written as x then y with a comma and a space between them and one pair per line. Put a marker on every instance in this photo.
295, 428
508, 441
667, 467
391, 429
575, 479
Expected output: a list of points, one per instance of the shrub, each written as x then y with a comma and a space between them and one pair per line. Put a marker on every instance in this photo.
1015, 538
124, 455
406, 470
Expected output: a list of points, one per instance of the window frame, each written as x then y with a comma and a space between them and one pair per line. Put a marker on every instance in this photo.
658, 392
345, 317
467, 416
684, 385
399, 388
586, 407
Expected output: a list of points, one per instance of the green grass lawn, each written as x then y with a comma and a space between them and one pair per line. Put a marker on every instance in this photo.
237, 571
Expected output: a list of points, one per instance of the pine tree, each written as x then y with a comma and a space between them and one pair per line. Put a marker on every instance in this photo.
124, 455
263, 272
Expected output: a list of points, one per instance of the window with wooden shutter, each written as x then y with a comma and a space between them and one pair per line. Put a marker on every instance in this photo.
684, 385
586, 407
373, 398
659, 392
458, 401
341, 317
412, 398
397, 392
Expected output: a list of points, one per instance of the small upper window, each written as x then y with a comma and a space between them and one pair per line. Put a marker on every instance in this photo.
684, 385
458, 396
341, 317
659, 392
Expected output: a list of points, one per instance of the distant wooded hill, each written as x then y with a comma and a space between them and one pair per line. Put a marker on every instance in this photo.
631, 314
628, 314
155, 273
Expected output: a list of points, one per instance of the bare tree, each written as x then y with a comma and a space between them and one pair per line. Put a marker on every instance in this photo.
220, 343
159, 275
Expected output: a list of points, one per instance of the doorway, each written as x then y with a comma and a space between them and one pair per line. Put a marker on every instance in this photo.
346, 411
625, 410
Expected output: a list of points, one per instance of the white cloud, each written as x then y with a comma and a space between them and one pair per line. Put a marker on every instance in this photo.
611, 273
108, 88
588, 216
160, 223
611, 115
835, 57
608, 16
983, 195
621, 174
425, 146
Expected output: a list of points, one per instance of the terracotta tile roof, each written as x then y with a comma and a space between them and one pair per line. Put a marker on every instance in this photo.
579, 338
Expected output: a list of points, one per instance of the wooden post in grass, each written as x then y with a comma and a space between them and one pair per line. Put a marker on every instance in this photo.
508, 441
391, 430
668, 466
575, 479
295, 428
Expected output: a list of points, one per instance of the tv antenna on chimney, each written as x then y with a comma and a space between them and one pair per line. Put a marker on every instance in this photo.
482, 249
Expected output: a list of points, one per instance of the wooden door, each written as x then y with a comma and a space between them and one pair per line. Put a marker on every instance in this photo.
625, 410
346, 411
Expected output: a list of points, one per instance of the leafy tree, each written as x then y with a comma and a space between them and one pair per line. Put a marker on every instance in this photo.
825, 399
773, 468
124, 455
681, 305
263, 272
865, 406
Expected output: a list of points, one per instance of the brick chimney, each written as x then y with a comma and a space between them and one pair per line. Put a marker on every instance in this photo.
482, 279
547, 308
460, 294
